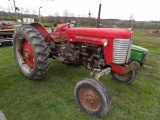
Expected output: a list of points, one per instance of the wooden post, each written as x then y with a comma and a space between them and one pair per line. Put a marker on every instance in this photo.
98, 18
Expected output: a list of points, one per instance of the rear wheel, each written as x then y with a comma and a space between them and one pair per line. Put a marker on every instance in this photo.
30, 51
92, 97
125, 78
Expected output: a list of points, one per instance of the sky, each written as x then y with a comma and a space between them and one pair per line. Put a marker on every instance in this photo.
142, 10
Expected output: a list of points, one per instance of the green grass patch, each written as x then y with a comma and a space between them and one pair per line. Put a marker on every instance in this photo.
50, 25
52, 98
139, 32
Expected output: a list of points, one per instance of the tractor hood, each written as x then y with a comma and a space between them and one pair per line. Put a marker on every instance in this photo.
100, 32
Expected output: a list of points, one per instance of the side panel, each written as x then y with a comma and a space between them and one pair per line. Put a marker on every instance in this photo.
136, 55
97, 36
84, 39
108, 50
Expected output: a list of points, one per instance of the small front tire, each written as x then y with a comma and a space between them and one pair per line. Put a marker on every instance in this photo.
125, 78
92, 97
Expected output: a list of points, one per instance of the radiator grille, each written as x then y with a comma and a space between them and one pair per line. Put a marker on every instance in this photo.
121, 51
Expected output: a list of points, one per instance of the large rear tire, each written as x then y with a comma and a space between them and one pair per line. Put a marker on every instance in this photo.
92, 97
30, 52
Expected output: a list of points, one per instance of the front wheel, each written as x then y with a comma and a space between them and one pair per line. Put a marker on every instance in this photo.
125, 78
92, 97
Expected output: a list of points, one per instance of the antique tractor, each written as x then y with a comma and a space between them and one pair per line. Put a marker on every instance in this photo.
102, 50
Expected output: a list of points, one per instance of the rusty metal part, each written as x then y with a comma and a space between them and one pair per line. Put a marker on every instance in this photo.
89, 98
124, 77
99, 73
125, 69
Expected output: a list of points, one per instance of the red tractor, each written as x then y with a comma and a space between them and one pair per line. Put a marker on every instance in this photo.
102, 50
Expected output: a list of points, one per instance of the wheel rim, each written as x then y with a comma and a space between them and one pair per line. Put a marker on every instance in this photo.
24, 55
125, 76
89, 98
28, 54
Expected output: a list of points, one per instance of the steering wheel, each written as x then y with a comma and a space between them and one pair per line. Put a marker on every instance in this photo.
63, 27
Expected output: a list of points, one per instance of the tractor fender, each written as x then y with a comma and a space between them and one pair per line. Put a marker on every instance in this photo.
41, 29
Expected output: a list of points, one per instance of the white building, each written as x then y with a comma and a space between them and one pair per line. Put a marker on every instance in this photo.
28, 20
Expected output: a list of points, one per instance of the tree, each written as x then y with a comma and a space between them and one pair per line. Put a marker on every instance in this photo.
33, 11
8, 9
57, 14
66, 15
27, 11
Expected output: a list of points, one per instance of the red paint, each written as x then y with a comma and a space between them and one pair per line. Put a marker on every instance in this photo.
42, 30
118, 69
88, 35
124, 69
28, 54
100, 33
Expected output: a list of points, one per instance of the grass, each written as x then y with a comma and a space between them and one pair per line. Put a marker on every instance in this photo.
50, 25
53, 97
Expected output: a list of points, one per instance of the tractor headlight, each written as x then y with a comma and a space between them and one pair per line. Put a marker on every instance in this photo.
105, 42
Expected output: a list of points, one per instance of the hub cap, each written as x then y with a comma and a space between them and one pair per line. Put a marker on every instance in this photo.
89, 98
